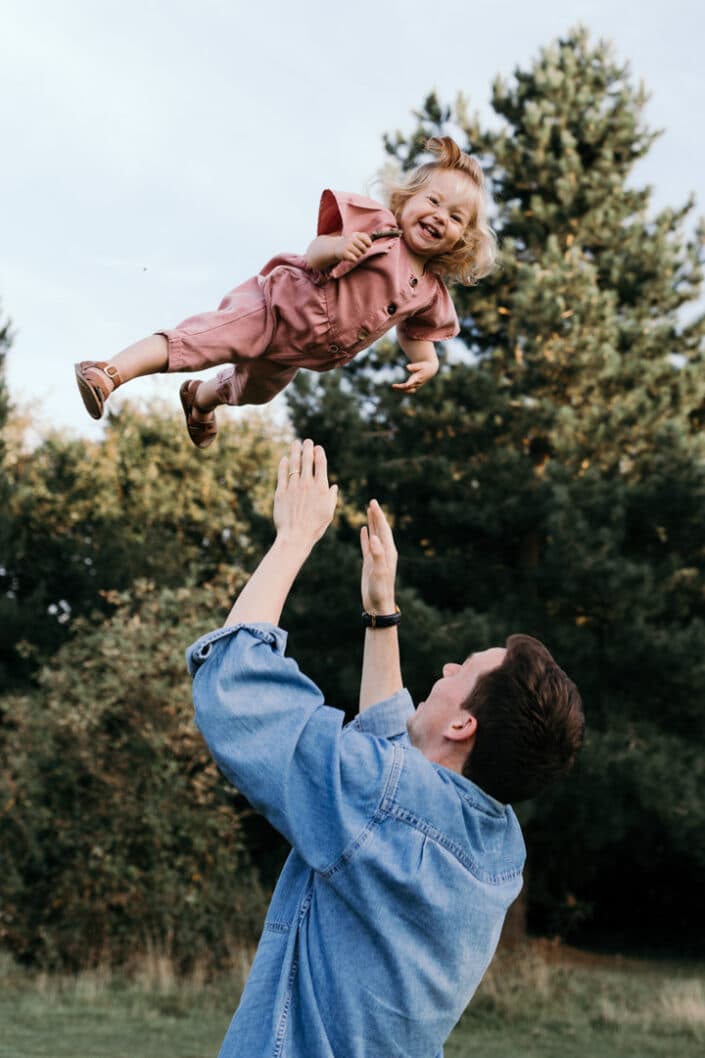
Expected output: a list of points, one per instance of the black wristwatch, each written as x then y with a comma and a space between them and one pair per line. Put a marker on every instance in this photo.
376, 620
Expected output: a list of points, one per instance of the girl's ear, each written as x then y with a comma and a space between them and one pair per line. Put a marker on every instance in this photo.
461, 729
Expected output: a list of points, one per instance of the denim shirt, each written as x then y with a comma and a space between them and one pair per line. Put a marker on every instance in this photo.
389, 908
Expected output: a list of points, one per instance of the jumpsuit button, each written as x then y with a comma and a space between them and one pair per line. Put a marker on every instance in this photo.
414, 281
333, 348
391, 309
362, 334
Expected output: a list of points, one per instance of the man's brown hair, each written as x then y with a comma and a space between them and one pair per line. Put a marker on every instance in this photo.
530, 723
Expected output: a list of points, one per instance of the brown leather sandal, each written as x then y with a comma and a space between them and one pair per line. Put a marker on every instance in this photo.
94, 378
202, 432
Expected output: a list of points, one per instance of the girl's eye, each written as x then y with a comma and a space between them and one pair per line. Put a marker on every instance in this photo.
433, 199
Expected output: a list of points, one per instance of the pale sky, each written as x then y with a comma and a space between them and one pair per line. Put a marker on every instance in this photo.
156, 153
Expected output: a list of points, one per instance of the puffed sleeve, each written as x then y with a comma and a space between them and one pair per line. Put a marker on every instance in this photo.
434, 323
341, 211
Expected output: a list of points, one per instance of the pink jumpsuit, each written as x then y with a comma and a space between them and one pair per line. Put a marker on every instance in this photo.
291, 316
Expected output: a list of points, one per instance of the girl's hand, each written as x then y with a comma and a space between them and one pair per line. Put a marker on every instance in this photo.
304, 502
379, 562
421, 371
353, 246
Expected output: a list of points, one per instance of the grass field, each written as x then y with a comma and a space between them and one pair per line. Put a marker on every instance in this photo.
538, 1002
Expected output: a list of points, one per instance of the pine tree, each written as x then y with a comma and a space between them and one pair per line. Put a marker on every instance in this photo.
553, 479
5, 577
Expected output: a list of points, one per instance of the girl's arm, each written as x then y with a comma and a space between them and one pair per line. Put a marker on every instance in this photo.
424, 362
328, 250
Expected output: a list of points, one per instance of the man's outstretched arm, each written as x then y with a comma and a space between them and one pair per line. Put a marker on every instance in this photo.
304, 504
381, 669
266, 723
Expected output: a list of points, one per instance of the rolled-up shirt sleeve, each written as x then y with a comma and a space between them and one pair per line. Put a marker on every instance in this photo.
272, 736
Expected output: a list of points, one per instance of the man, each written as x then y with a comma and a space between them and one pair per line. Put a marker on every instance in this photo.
405, 855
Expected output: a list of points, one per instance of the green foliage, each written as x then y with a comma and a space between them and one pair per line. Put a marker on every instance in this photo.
88, 517
5, 342
116, 828
552, 477
5, 524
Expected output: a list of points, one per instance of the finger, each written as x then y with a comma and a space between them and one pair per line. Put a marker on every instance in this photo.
295, 458
364, 543
376, 546
384, 531
307, 459
380, 565
376, 517
282, 472
373, 516
320, 465
333, 494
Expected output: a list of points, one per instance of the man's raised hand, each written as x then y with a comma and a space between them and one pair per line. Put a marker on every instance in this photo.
304, 502
379, 562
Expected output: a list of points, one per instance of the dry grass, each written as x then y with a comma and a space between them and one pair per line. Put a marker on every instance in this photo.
533, 980
678, 1007
537, 1000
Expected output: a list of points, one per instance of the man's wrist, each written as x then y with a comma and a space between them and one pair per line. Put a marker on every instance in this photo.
292, 547
385, 606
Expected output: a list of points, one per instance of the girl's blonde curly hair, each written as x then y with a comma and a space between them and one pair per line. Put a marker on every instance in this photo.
475, 255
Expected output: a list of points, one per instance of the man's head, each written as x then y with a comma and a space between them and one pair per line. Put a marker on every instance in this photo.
508, 718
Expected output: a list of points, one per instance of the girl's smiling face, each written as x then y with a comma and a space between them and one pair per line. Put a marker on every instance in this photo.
434, 219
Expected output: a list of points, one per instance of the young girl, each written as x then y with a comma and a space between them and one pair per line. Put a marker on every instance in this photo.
370, 268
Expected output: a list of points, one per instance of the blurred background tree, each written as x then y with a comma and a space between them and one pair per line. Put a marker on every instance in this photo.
6, 603
90, 516
118, 832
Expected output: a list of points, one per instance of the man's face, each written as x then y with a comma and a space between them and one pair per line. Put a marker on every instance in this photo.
439, 723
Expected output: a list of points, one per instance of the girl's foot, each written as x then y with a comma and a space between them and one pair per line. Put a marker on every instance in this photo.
201, 425
96, 381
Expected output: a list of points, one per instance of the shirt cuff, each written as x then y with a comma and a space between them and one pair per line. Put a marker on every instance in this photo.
199, 651
386, 718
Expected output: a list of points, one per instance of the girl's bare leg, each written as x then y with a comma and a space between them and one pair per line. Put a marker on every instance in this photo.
98, 378
207, 400
150, 356
146, 357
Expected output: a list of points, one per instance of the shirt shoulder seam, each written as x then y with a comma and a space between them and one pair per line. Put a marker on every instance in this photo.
378, 815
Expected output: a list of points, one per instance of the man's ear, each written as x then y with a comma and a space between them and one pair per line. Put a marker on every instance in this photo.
461, 729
